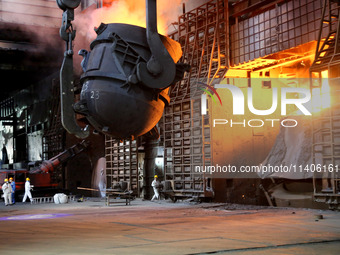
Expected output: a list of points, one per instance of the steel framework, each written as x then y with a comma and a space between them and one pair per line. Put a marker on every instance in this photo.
53, 140
327, 51
122, 163
204, 36
326, 128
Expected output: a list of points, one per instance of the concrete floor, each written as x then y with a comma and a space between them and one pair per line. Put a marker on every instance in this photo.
165, 228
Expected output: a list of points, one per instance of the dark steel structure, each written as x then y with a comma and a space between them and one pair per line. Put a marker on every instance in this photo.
204, 37
125, 76
326, 129
122, 163
263, 35
129, 78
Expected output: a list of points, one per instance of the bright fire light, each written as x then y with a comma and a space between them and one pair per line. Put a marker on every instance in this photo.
321, 97
127, 11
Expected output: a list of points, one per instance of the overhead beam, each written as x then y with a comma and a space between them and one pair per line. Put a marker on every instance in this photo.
238, 10
283, 63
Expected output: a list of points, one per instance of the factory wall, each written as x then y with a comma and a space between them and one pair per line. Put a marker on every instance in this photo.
27, 114
35, 134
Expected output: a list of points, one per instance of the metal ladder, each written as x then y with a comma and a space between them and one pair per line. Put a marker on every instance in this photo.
326, 132
329, 51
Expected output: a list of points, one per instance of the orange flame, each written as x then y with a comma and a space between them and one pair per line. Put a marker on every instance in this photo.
127, 11
321, 97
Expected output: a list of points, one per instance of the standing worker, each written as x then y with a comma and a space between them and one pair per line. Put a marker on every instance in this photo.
7, 189
155, 185
27, 191
12, 182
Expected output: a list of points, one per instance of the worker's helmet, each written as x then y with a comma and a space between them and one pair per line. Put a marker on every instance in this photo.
27, 179
11, 179
156, 176
6, 180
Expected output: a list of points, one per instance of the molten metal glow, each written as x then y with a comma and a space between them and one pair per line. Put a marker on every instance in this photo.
127, 11
321, 97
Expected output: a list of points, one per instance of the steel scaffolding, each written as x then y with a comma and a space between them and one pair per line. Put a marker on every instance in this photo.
326, 127
122, 163
204, 37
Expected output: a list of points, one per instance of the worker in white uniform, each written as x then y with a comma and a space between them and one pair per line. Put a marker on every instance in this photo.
155, 185
28, 188
7, 190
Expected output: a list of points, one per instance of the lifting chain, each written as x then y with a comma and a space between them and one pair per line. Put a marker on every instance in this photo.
67, 33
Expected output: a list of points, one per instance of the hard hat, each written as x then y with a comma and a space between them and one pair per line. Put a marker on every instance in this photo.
11, 179
6, 180
156, 176
27, 179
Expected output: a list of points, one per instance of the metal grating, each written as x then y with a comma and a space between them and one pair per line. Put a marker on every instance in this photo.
326, 154
326, 127
288, 25
186, 135
53, 138
327, 50
121, 163
7, 109
204, 36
